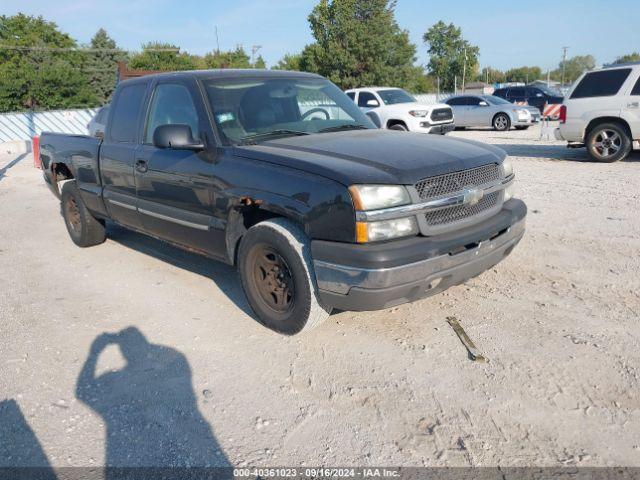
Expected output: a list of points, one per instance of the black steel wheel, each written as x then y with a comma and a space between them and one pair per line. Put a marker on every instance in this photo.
84, 229
275, 266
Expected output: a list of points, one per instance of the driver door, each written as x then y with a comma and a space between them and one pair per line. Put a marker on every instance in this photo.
477, 112
175, 186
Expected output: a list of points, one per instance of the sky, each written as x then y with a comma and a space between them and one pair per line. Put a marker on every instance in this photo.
510, 33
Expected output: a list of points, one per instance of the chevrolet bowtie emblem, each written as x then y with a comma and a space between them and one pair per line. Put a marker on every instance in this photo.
472, 195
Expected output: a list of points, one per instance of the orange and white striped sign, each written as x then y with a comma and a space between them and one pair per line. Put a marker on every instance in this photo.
552, 111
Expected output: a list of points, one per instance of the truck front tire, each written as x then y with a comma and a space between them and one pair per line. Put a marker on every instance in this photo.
274, 261
84, 229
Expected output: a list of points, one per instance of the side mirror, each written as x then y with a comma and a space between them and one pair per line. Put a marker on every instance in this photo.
98, 134
176, 136
373, 103
483, 104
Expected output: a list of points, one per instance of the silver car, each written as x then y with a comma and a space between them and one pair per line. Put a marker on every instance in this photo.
488, 111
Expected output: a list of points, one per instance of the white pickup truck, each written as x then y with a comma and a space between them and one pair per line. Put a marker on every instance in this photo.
395, 109
602, 112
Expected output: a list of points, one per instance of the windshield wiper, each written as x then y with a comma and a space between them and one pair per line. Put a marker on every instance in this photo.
248, 139
347, 126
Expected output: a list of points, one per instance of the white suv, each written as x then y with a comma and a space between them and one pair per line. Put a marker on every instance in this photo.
602, 112
395, 109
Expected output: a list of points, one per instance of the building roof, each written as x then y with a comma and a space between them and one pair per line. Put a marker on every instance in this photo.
477, 85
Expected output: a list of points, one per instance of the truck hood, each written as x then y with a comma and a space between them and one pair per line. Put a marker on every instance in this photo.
374, 156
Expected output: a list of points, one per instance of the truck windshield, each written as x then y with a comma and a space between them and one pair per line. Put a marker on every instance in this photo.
394, 96
251, 110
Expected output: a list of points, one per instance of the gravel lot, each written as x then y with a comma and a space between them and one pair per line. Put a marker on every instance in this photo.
196, 380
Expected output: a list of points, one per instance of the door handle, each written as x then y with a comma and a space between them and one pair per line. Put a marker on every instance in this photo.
141, 165
633, 105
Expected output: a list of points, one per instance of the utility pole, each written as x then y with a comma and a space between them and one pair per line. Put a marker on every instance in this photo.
254, 50
564, 61
217, 41
464, 68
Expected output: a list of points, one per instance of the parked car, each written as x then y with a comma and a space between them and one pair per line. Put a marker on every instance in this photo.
602, 111
316, 213
95, 127
537, 96
395, 109
488, 111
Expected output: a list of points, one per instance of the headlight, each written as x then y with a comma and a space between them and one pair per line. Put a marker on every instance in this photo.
385, 230
509, 192
374, 197
419, 113
507, 167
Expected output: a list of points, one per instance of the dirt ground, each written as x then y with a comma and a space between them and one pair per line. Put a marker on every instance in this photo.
192, 379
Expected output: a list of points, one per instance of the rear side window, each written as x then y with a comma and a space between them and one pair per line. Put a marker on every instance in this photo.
126, 111
351, 95
601, 84
516, 92
636, 88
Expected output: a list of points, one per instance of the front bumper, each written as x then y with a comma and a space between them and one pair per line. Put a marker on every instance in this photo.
442, 128
384, 275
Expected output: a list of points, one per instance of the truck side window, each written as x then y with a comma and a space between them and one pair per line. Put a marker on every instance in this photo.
364, 97
601, 84
171, 104
351, 95
124, 124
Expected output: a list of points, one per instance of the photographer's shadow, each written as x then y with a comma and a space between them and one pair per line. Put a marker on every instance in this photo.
148, 407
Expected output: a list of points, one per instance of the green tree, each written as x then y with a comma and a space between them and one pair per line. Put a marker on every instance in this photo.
447, 53
289, 62
574, 67
237, 58
628, 58
523, 74
491, 75
42, 68
358, 42
162, 56
101, 65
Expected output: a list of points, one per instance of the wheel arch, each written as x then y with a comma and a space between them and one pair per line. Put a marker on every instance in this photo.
396, 121
258, 207
600, 120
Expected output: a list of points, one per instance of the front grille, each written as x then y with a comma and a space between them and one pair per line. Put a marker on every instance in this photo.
441, 114
455, 182
461, 212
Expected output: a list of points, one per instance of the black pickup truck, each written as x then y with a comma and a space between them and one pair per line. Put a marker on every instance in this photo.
280, 174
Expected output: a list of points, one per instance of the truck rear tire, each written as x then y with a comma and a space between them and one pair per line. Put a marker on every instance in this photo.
84, 229
274, 261
608, 142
